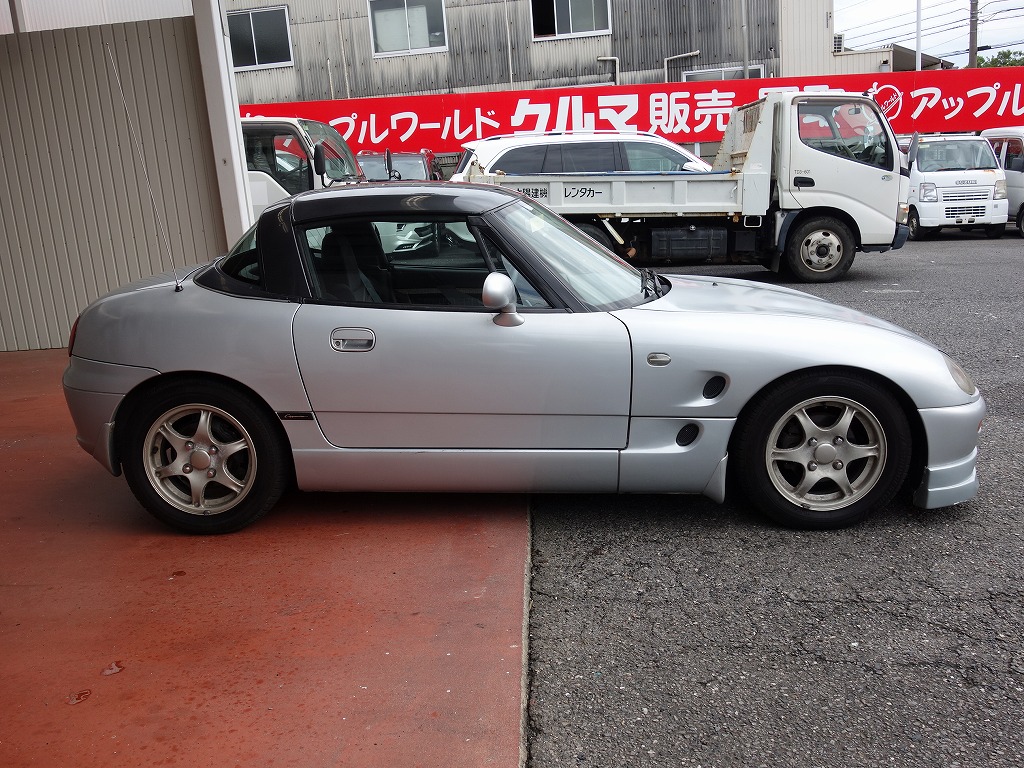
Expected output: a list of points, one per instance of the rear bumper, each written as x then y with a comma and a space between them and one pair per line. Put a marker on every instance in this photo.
950, 474
93, 392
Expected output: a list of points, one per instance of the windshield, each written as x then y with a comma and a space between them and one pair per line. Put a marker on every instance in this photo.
408, 167
598, 278
955, 156
341, 163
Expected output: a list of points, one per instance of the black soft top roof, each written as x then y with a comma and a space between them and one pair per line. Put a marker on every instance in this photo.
403, 198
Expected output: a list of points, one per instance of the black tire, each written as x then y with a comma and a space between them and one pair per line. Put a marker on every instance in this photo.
203, 457
598, 233
820, 250
995, 231
917, 232
821, 451
1020, 221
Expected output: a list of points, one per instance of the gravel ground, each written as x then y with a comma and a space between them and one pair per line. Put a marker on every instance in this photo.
671, 631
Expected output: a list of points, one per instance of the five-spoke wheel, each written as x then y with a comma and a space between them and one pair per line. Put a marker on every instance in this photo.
203, 458
822, 451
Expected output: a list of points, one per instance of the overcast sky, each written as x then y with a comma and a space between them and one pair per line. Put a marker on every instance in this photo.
944, 25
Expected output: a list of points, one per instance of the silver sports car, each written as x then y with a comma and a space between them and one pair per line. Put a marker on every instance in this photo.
436, 337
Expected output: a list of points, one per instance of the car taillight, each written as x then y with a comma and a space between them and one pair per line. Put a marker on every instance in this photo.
71, 338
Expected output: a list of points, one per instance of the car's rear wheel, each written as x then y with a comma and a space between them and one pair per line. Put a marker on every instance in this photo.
820, 250
821, 451
203, 457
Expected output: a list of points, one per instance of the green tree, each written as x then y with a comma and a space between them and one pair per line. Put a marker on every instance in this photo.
1005, 58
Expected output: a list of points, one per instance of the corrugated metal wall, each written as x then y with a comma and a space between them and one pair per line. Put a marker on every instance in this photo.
76, 219
333, 56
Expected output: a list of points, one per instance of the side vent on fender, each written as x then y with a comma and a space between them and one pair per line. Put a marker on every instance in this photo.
714, 387
687, 435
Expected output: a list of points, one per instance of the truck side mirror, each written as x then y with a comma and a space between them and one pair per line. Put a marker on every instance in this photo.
389, 167
912, 151
319, 160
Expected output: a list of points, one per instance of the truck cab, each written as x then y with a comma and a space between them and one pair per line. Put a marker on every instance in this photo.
956, 181
280, 158
1008, 144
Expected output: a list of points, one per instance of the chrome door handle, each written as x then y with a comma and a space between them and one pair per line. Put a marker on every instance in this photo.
352, 339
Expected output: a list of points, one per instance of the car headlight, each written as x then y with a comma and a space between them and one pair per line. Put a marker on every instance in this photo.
927, 193
960, 376
1000, 193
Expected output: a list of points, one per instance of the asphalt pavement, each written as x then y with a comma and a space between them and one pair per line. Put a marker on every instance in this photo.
671, 631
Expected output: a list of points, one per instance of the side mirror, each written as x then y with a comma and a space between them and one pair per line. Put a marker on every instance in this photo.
912, 151
389, 166
319, 160
499, 294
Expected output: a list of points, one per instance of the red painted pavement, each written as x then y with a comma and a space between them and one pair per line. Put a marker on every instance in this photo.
340, 630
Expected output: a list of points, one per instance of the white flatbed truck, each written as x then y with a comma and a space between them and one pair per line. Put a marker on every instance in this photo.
801, 181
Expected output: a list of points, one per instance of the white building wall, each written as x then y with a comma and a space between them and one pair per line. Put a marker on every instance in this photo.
806, 38
76, 214
38, 15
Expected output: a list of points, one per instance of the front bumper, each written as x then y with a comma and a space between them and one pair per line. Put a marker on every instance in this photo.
963, 214
950, 474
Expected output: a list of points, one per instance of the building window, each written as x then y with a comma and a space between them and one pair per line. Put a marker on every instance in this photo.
260, 38
565, 18
407, 26
726, 73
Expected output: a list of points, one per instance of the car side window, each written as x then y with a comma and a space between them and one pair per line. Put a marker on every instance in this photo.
589, 157
653, 158
436, 263
243, 262
1014, 155
523, 161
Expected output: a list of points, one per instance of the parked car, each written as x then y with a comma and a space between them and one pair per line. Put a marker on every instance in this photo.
511, 354
955, 181
568, 152
1008, 144
409, 166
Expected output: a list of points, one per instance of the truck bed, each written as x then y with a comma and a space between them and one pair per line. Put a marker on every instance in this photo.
630, 194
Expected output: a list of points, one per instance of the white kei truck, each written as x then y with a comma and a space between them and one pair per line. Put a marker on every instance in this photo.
802, 180
956, 181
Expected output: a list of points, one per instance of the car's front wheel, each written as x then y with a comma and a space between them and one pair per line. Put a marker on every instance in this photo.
917, 232
821, 451
203, 457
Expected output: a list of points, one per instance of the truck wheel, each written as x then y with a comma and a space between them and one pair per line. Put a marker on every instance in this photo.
820, 250
821, 451
995, 231
1020, 221
597, 233
917, 232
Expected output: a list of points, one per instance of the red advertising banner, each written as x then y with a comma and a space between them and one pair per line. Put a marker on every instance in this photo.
931, 101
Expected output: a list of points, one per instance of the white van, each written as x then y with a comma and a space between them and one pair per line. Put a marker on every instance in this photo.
1008, 144
955, 181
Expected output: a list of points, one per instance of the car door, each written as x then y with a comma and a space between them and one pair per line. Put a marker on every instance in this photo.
414, 363
841, 155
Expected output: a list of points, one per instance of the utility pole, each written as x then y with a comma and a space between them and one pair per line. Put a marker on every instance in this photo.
972, 56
